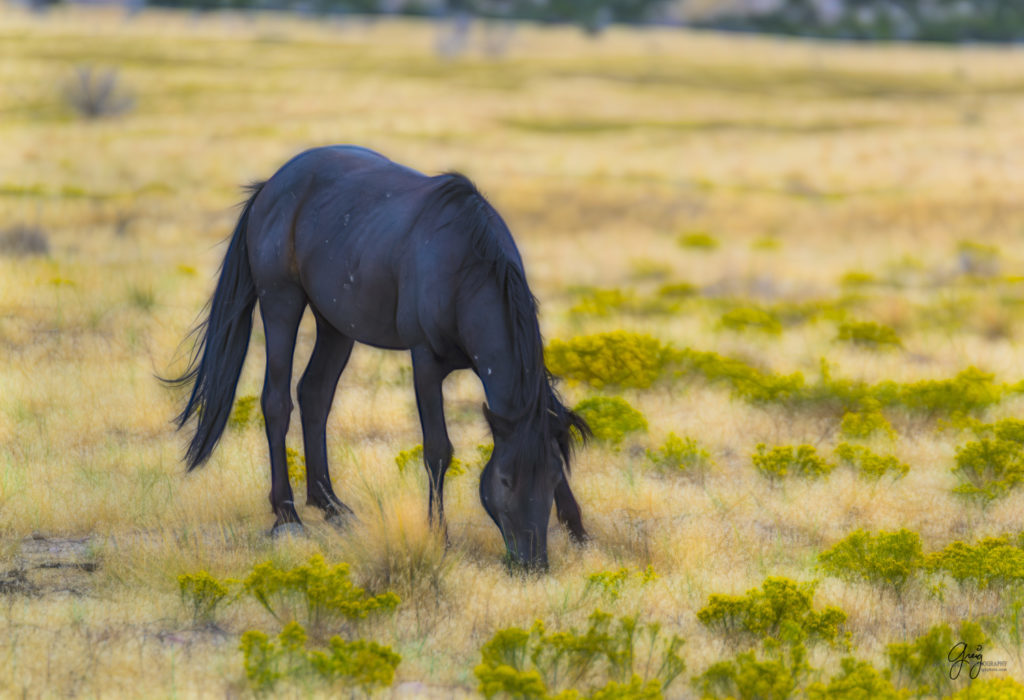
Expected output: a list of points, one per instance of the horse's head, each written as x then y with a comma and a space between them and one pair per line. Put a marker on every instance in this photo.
517, 486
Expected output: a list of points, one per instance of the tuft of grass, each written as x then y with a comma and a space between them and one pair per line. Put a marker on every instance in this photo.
94, 93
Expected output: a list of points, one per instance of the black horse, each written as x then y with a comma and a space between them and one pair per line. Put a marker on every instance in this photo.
387, 256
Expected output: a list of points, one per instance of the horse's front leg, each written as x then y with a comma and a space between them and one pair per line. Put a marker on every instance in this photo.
569, 512
428, 376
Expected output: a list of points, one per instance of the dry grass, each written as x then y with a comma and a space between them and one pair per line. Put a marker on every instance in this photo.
600, 153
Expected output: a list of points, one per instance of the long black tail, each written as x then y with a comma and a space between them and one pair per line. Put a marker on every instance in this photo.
219, 352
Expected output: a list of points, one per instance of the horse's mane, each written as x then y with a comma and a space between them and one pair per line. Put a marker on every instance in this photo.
541, 412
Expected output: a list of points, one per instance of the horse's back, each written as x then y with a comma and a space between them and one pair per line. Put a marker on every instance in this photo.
340, 222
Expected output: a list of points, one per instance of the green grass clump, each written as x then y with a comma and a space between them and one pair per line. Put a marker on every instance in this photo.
202, 595
989, 468
888, 559
746, 381
698, 240
923, 666
749, 318
970, 391
992, 562
870, 465
977, 259
868, 335
608, 302
776, 674
781, 610
246, 412
414, 456
857, 278
617, 359
784, 461
609, 659
611, 583
611, 418
866, 422
355, 664
681, 455
296, 465
991, 689
856, 680
678, 290
322, 595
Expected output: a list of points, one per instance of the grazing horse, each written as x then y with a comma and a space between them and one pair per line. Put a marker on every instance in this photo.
392, 258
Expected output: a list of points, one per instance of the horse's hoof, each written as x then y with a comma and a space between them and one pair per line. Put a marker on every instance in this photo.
287, 530
340, 519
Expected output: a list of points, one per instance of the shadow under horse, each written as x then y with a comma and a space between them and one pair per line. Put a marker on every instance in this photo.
392, 258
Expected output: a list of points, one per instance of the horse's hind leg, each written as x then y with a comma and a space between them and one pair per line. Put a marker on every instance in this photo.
316, 392
569, 512
281, 314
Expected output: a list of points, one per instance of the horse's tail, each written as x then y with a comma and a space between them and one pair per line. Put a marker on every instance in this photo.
219, 352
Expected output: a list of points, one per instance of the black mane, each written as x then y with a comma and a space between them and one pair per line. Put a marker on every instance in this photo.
541, 411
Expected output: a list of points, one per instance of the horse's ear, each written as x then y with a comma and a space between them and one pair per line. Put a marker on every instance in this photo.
500, 426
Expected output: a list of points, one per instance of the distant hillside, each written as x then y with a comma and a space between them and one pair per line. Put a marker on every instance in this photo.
925, 20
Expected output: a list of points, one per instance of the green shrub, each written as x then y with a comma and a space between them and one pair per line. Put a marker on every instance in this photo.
865, 422
358, 663
296, 465
857, 680
870, 465
857, 278
991, 689
609, 659
752, 319
1006, 625
988, 468
747, 382
922, 666
992, 562
616, 359
246, 412
698, 240
885, 558
678, 290
750, 677
202, 594
768, 243
611, 583
783, 461
969, 391
869, 335
608, 302
781, 610
414, 456
323, 595
611, 418
681, 455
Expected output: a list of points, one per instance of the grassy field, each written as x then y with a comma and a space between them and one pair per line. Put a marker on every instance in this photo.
808, 183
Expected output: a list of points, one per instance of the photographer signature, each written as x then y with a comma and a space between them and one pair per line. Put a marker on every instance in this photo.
958, 656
